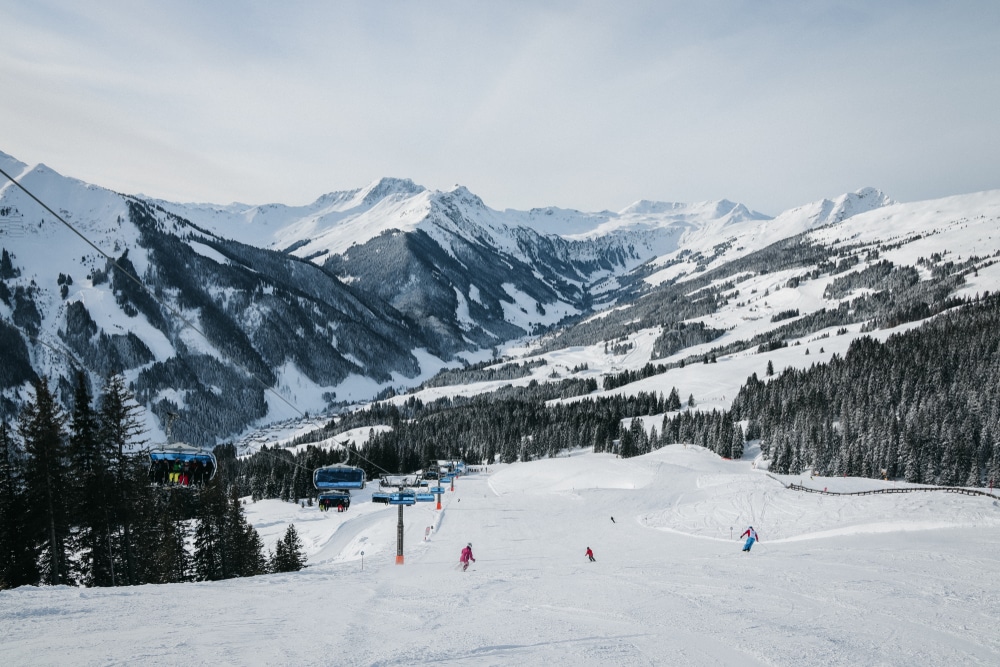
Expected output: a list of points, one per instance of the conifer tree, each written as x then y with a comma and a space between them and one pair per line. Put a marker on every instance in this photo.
18, 553
674, 400
210, 559
42, 429
736, 451
170, 561
288, 555
226, 545
119, 432
90, 498
7, 269
244, 545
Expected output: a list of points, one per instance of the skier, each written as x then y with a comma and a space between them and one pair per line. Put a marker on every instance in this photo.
590, 555
466, 557
751, 536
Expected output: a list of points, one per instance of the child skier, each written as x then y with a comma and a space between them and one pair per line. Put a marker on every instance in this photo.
466, 557
751, 536
590, 555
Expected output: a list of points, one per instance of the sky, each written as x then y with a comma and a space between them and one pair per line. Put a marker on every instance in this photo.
585, 105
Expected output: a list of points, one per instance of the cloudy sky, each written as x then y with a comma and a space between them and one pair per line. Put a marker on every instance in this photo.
587, 105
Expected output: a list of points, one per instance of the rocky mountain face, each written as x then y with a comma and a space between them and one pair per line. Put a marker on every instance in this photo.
223, 313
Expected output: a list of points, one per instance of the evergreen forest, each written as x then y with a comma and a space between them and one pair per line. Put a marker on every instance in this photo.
77, 508
923, 407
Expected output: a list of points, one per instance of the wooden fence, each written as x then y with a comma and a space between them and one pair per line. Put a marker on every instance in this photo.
908, 489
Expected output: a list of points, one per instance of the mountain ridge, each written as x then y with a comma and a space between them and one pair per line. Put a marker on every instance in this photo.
377, 288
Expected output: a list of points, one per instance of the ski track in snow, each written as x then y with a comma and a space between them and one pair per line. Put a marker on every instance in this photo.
873, 580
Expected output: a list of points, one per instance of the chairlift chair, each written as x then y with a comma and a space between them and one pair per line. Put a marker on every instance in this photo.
180, 464
338, 477
330, 499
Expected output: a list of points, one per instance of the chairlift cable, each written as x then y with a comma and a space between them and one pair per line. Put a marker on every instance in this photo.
175, 312
55, 347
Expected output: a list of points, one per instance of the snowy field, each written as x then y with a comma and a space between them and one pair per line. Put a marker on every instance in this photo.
902, 579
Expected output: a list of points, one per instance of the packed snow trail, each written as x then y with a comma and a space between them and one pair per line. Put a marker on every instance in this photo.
831, 582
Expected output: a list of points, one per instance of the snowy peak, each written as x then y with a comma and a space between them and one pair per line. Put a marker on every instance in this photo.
827, 211
460, 193
816, 214
704, 211
647, 207
860, 201
11, 166
388, 187
92, 208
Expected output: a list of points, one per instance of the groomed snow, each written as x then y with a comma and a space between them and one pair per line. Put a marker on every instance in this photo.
907, 579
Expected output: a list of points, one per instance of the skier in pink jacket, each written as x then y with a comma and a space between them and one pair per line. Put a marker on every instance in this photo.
466, 557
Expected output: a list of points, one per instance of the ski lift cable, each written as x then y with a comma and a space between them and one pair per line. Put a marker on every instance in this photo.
174, 311
65, 352
55, 347
62, 350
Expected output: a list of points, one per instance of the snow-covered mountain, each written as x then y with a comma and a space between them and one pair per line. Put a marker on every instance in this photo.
255, 312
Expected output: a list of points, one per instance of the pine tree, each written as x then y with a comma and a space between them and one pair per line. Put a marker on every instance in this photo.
119, 432
674, 400
289, 555
18, 554
254, 560
7, 270
226, 545
244, 545
90, 500
42, 430
736, 451
210, 559
170, 561
279, 557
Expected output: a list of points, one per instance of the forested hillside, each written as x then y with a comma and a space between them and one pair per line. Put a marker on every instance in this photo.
923, 406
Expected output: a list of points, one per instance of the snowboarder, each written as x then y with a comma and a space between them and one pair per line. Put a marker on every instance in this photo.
590, 555
751, 536
466, 557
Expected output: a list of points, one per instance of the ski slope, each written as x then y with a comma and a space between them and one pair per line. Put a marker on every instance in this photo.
896, 579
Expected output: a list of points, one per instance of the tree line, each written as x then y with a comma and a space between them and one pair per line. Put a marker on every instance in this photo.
504, 426
923, 406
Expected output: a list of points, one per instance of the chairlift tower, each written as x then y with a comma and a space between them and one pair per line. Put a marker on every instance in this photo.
406, 493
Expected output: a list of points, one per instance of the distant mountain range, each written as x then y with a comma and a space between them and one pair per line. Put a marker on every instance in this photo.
246, 313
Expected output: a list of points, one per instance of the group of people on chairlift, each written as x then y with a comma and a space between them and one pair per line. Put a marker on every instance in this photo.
180, 473
340, 503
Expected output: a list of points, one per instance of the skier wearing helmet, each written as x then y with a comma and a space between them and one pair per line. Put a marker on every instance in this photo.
751, 536
466, 557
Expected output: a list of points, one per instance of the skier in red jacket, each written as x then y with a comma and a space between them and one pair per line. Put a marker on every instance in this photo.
590, 554
466, 557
